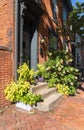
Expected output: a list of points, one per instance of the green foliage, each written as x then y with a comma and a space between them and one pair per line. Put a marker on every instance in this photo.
26, 74
40, 70
15, 91
65, 89
52, 82
58, 71
62, 88
77, 19
20, 90
31, 99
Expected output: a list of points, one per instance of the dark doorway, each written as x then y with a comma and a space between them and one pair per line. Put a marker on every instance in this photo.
29, 16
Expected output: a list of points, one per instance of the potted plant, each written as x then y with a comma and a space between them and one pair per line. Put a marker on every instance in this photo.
40, 72
19, 92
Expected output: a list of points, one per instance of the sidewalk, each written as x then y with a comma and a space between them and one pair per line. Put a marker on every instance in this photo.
68, 115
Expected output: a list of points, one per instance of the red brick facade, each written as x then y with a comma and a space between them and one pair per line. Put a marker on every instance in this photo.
5, 73
45, 24
6, 46
7, 39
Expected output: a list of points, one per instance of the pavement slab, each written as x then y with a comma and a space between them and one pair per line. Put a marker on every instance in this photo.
67, 115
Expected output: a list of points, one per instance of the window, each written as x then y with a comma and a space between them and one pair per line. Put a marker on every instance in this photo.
53, 41
64, 15
55, 9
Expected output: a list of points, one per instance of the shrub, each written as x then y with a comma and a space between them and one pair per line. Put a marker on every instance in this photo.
40, 69
16, 90
20, 91
65, 89
59, 71
26, 74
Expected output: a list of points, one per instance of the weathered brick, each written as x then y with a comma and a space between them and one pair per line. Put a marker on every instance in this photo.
6, 44
7, 39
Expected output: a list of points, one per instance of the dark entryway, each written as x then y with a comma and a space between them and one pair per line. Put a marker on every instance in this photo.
29, 17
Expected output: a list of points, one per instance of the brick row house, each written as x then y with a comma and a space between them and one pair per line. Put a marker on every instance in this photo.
28, 29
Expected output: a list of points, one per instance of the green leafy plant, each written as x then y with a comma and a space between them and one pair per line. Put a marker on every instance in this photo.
31, 99
40, 73
65, 89
16, 90
62, 88
26, 74
59, 71
20, 91
40, 70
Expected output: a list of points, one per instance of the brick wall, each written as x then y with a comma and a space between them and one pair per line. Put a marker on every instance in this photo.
6, 46
5, 73
45, 23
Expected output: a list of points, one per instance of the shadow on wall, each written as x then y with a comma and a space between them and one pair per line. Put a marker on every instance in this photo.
47, 17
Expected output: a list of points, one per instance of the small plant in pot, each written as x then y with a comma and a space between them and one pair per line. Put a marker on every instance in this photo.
40, 72
40, 78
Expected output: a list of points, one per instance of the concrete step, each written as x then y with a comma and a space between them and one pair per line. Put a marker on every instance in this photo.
46, 92
38, 87
49, 95
50, 102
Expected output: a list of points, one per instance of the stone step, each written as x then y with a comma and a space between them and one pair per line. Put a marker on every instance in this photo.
46, 92
49, 95
50, 102
38, 87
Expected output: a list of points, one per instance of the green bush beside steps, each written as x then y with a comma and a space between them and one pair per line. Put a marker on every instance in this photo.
57, 71
20, 91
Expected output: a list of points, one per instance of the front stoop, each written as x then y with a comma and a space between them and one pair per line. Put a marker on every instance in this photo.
50, 102
49, 95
